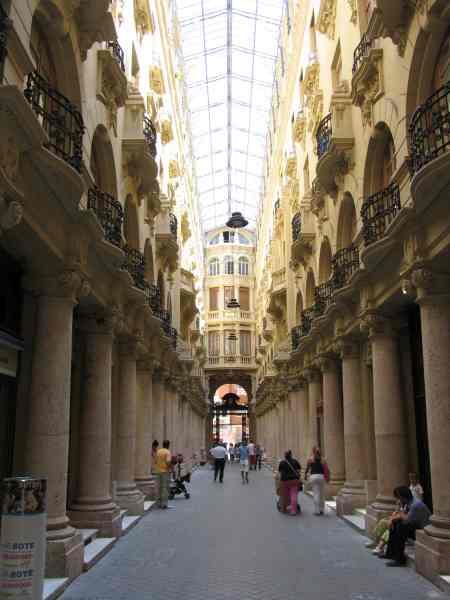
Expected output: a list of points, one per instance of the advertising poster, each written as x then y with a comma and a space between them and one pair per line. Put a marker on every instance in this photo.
23, 538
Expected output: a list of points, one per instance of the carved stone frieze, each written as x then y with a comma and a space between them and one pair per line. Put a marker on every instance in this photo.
299, 129
143, 17
166, 131
326, 20
311, 79
157, 80
354, 10
174, 169
95, 23
291, 166
367, 84
315, 114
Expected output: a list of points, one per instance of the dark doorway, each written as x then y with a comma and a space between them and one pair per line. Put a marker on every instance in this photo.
7, 424
424, 474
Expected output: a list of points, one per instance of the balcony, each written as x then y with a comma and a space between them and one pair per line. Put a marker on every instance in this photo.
367, 78
230, 315
323, 297
118, 54
302, 238
334, 138
150, 136
344, 264
302, 330
60, 119
112, 86
109, 212
429, 136
153, 296
139, 147
134, 264
234, 360
95, 23
278, 280
378, 211
173, 225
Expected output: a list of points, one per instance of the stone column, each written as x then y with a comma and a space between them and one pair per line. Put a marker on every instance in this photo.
389, 420
94, 507
143, 477
47, 445
314, 396
333, 421
157, 405
128, 495
433, 544
353, 494
302, 421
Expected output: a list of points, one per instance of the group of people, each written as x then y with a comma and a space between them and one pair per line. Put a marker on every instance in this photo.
392, 534
289, 481
249, 456
164, 466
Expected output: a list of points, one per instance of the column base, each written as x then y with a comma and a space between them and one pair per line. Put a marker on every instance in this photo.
106, 520
374, 513
352, 495
129, 498
432, 556
333, 487
147, 486
65, 556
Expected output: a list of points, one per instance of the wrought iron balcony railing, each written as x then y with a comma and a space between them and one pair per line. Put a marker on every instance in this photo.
173, 224
296, 227
162, 314
323, 297
295, 337
109, 212
323, 135
429, 130
5, 24
61, 120
306, 320
135, 265
153, 296
150, 135
344, 263
378, 211
118, 53
361, 51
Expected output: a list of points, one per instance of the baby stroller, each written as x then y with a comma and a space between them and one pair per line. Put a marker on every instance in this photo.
278, 494
180, 477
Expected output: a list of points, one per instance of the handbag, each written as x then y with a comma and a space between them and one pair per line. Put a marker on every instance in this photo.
326, 472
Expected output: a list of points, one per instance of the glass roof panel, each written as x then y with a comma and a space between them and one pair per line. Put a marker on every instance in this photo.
229, 52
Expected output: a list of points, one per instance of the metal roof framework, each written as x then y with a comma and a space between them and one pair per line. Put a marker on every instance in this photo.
230, 49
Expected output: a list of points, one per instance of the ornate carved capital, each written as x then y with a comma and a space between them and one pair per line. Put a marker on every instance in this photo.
327, 364
128, 348
347, 348
68, 284
375, 325
312, 375
326, 19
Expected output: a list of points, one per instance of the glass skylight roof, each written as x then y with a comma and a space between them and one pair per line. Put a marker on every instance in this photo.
229, 53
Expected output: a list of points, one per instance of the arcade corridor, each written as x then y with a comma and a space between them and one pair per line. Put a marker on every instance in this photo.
229, 543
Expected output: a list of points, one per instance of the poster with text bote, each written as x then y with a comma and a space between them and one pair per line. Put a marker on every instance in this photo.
23, 538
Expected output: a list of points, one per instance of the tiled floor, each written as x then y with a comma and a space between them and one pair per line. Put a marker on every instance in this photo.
228, 542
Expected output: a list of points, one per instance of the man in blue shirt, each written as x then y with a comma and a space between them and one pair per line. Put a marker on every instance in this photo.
404, 525
243, 461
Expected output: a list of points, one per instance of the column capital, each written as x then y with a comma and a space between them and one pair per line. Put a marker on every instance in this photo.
427, 285
377, 325
129, 347
328, 364
312, 375
347, 348
103, 320
69, 283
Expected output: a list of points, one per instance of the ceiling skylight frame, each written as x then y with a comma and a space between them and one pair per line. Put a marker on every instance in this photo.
243, 105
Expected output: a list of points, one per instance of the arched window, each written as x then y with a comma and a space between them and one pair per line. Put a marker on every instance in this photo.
214, 267
229, 265
243, 265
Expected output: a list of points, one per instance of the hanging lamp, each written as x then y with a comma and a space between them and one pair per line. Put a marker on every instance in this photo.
237, 221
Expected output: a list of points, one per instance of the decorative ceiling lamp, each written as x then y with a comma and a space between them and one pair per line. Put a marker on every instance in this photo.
237, 221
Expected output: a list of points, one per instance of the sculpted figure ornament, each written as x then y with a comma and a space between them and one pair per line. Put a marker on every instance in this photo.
10, 214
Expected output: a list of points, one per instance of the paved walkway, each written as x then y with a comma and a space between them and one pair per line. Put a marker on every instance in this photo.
228, 542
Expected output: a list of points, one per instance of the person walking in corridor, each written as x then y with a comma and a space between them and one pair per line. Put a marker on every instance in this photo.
289, 470
163, 468
243, 461
259, 453
318, 469
219, 453
252, 455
